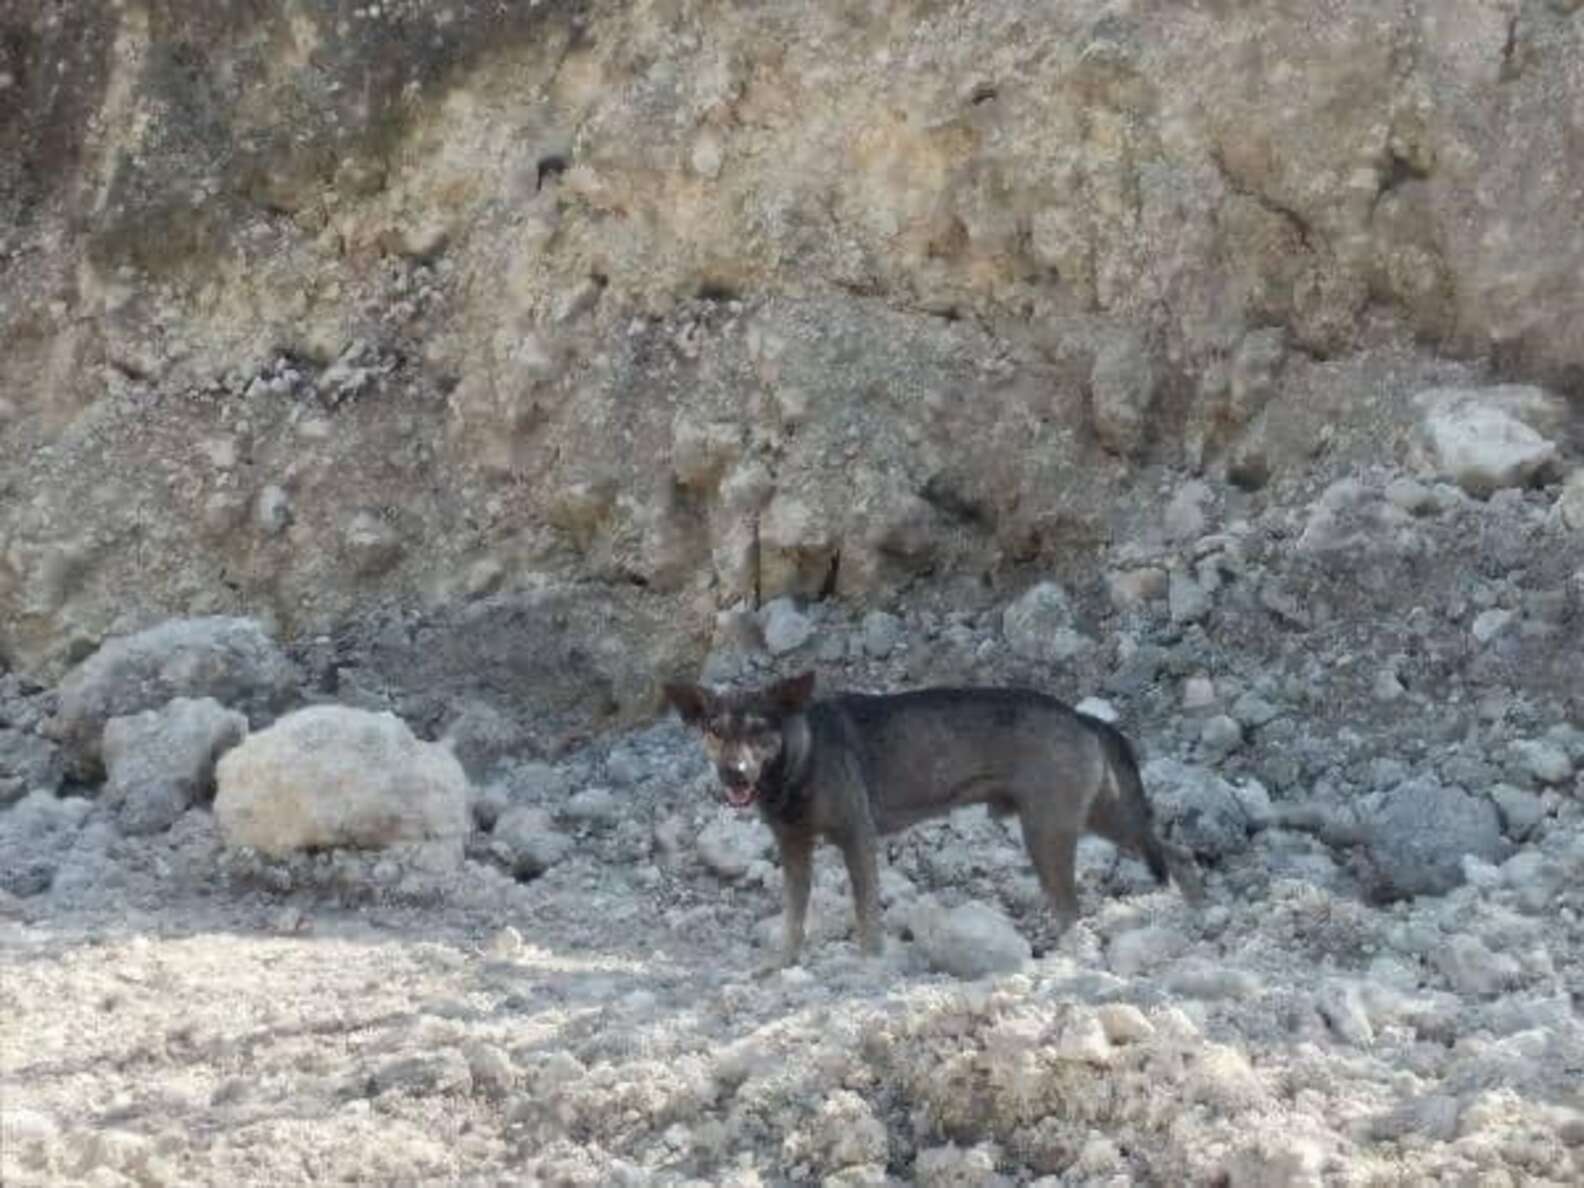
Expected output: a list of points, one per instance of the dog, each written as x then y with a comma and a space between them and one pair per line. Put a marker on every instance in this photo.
854, 767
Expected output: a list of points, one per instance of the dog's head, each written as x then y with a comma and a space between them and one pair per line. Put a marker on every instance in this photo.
744, 731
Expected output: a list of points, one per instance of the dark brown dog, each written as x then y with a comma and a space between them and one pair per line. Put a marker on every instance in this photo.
854, 767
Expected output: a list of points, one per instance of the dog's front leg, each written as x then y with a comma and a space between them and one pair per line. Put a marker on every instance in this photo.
797, 875
860, 847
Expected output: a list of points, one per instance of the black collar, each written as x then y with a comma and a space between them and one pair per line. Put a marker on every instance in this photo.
781, 787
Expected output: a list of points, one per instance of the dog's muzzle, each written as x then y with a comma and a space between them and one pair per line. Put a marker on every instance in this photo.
740, 791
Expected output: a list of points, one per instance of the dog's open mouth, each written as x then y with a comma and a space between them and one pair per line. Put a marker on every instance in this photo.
739, 795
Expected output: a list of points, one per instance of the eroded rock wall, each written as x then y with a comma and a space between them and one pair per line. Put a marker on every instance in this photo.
309, 306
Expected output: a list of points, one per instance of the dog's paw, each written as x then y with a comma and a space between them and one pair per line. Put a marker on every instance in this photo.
775, 965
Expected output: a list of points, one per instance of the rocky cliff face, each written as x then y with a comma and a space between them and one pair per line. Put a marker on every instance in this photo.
311, 306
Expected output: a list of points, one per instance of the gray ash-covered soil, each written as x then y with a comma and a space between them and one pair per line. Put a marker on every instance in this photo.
1358, 702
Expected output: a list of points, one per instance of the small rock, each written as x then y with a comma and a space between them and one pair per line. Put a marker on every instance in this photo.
795, 547
1489, 624
1542, 760
538, 783
1130, 588
1187, 599
372, 545
624, 767
1433, 1117
1066, 644
972, 940
36, 834
112, 1156
1342, 1007
1520, 811
490, 1069
668, 834
831, 649
731, 843
481, 736
701, 452
28, 763
1219, 737
1083, 1040
272, 510
1411, 496
1124, 1023
1570, 738
1198, 692
1223, 1078
1570, 506
1038, 625
1200, 979
846, 1133
1137, 668
1099, 708
484, 576
531, 842
881, 634
952, 1166
1098, 1158
592, 806
1387, 686
506, 944
785, 627
1253, 711
26, 1136
1122, 389
1185, 515
161, 762
437, 1073
1139, 949
1473, 969
1255, 801
330, 776
707, 155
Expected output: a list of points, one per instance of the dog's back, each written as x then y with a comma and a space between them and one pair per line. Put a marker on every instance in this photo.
925, 752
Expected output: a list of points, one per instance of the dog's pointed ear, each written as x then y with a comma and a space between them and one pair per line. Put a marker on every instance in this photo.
792, 694
693, 702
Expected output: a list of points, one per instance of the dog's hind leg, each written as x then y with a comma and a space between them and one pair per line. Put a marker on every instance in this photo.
860, 850
1054, 852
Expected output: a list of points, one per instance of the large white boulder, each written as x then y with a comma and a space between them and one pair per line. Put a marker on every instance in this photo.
1485, 439
331, 775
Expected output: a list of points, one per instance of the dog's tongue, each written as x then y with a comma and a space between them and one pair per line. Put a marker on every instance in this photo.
740, 797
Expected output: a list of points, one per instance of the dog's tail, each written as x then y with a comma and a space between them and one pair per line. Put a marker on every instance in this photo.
1131, 799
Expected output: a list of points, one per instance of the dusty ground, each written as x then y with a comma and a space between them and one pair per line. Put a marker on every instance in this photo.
180, 1013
